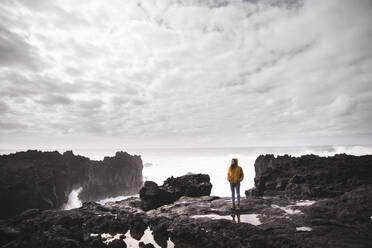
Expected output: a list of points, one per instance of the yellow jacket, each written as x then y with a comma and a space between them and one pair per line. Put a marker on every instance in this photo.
235, 175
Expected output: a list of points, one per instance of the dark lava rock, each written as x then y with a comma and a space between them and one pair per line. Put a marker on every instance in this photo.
342, 219
332, 223
310, 176
43, 180
117, 243
345, 220
56, 228
353, 207
143, 245
154, 196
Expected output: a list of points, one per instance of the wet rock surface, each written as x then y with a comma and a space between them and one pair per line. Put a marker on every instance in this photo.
344, 220
153, 196
43, 180
195, 222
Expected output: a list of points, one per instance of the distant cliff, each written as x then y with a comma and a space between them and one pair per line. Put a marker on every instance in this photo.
43, 180
310, 176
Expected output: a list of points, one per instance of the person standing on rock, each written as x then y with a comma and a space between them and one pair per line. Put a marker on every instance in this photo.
235, 175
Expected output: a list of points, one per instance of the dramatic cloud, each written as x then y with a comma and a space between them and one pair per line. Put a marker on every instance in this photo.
185, 73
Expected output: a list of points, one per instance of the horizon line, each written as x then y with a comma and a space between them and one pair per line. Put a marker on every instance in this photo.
177, 148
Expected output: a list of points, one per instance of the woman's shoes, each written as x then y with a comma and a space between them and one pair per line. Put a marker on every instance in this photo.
233, 207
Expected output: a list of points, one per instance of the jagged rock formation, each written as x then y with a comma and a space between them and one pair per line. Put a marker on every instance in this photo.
310, 176
43, 180
153, 196
118, 175
276, 220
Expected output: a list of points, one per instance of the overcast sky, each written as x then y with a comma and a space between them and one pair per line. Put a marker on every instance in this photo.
185, 73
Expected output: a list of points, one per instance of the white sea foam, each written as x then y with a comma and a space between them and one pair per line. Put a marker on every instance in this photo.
287, 209
305, 203
114, 199
212, 216
109, 238
73, 199
290, 209
304, 229
130, 241
251, 219
246, 218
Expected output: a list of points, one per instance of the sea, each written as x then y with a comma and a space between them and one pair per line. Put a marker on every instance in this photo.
161, 163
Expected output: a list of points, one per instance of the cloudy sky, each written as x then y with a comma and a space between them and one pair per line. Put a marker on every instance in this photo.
185, 73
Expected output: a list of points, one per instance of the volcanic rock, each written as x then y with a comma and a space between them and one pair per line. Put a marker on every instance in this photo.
194, 185
43, 180
275, 220
310, 176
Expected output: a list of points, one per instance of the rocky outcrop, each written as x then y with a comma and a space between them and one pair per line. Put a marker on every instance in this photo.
310, 176
114, 176
351, 208
43, 180
194, 185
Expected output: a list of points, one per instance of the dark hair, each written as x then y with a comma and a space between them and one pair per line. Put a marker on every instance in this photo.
235, 162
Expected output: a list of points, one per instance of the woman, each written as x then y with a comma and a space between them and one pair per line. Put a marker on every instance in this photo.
235, 176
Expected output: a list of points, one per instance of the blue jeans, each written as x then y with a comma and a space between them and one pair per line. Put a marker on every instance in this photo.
235, 187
